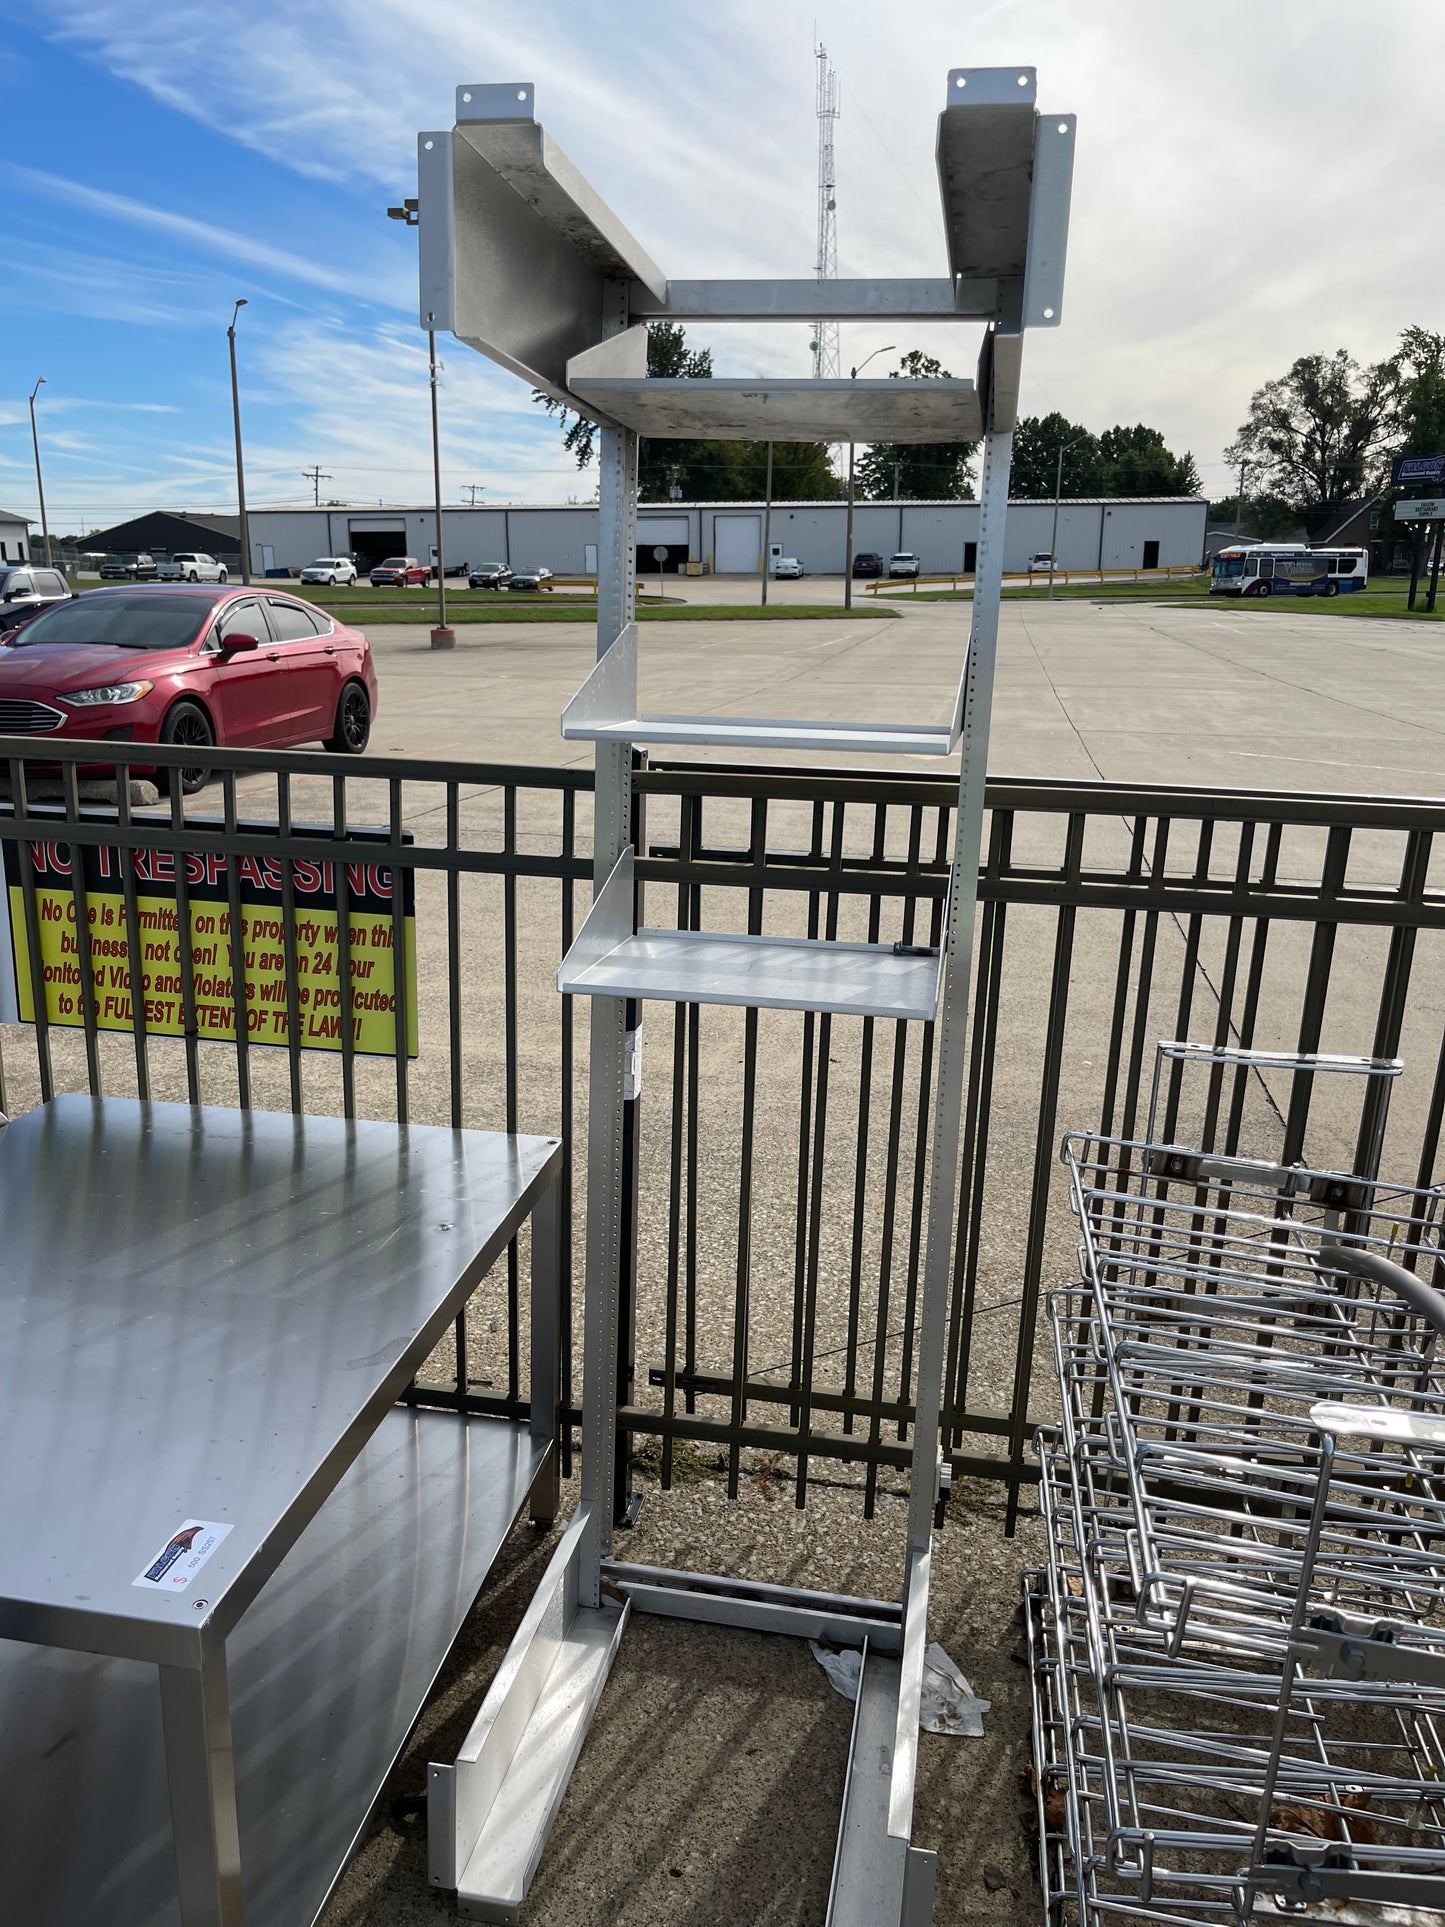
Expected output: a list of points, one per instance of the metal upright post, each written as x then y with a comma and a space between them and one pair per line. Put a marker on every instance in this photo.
442, 637
612, 831
1435, 569
952, 1028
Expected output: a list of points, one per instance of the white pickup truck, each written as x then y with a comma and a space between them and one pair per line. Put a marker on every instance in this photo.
190, 566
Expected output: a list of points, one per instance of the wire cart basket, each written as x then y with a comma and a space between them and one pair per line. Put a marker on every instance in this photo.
1238, 1641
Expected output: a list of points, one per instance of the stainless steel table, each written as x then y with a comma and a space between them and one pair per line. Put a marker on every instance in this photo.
206, 1317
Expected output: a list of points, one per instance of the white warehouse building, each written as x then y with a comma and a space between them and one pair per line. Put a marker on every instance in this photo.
726, 538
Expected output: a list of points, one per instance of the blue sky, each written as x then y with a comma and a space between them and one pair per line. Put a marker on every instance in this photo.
1239, 199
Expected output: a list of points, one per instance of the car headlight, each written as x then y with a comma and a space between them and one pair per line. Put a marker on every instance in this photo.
111, 692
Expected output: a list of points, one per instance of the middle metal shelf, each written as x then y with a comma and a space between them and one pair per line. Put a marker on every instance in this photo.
605, 710
611, 959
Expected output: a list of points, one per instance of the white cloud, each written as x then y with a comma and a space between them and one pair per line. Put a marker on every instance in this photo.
203, 237
1240, 197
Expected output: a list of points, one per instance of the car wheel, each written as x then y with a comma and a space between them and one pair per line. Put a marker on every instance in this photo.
353, 722
193, 577
1265, 588
1332, 588
223, 577
187, 725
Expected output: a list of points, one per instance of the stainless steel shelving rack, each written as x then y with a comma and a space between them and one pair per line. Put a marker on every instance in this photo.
521, 260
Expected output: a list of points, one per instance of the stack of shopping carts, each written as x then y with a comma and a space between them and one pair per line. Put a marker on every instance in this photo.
1238, 1642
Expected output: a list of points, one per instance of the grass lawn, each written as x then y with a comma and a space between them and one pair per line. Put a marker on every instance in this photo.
466, 609
1386, 596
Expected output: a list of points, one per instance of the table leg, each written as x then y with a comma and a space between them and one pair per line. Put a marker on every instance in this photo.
545, 1384
201, 1776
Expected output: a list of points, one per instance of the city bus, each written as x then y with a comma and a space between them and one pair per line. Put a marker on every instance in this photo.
1265, 568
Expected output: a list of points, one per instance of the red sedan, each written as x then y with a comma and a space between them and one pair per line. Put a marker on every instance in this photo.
242, 668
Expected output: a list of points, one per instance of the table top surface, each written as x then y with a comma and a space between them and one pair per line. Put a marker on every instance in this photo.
203, 1315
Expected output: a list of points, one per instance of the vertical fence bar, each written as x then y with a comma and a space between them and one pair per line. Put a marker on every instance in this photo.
742, 1290
1317, 987
340, 832
288, 939
805, 1146
399, 973
568, 1049
860, 1160
454, 966
1043, 1170
240, 1014
84, 957
39, 998
509, 1031
134, 969
183, 946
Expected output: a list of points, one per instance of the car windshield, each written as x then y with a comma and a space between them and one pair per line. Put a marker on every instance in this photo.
146, 621
489, 568
394, 562
1229, 565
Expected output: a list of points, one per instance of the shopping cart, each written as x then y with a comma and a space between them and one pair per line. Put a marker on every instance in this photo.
1239, 1637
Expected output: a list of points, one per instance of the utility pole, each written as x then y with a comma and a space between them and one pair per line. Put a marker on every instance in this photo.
1058, 490
40, 486
441, 637
316, 476
1239, 500
768, 527
473, 489
240, 465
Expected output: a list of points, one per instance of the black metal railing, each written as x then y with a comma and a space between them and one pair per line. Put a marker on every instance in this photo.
782, 1160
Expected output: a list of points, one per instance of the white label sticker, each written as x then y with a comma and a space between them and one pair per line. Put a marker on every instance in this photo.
182, 1556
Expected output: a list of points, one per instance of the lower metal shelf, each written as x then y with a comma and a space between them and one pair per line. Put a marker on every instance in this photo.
611, 959
328, 1670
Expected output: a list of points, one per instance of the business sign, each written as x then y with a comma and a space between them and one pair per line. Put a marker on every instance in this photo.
155, 976
1428, 508
1429, 469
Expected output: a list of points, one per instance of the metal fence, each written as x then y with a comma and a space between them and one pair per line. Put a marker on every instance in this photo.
782, 1160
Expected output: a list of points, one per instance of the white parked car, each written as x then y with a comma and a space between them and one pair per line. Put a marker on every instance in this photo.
788, 568
904, 563
330, 568
1041, 563
190, 566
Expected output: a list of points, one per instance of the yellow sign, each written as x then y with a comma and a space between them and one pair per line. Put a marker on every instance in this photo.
159, 982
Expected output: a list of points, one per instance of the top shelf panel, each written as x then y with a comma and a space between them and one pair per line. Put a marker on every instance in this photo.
788, 411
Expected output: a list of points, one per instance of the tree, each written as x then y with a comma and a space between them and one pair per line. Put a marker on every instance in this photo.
917, 471
702, 471
1037, 441
1315, 435
1136, 462
1418, 371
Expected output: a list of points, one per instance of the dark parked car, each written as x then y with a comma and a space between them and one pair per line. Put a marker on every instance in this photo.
530, 580
193, 665
400, 572
490, 575
866, 563
128, 566
24, 591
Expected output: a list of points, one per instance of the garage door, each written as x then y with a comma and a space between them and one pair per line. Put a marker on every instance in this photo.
737, 544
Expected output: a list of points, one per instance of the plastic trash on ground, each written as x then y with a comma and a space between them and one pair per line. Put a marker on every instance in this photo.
949, 1702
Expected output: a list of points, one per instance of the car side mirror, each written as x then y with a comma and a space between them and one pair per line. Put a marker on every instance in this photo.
236, 643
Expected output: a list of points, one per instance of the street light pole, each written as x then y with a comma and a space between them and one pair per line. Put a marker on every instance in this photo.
848, 546
441, 637
1239, 501
768, 526
240, 465
39, 484
1064, 448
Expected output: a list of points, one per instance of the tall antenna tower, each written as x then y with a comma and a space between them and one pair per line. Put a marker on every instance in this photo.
825, 333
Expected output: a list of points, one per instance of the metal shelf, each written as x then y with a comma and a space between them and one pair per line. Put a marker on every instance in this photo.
327, 1671
610, 959
605, 710
790, 411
